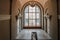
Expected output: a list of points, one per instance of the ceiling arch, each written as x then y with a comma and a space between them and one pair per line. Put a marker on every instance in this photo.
32, 3
42, 2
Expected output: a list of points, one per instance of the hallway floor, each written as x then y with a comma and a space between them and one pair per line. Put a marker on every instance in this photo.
26, 34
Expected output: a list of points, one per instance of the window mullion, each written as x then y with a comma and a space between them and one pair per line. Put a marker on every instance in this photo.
35, 16
32, 17
28, 16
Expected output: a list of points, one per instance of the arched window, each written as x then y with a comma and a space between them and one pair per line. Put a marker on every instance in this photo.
32, 16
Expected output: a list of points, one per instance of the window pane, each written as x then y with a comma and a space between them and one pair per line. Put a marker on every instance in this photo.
33, 22
38, 22
37, 9
30, 22
33, 15
30, 16
31, 9
26, 15
37, 15
26, 22
26, 9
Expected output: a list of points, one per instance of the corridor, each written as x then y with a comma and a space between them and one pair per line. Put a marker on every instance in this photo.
25, 34
26, 19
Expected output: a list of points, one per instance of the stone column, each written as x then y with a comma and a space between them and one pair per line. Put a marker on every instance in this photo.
48, 24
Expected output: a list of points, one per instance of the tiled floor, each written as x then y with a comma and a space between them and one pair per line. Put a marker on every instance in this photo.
26, 34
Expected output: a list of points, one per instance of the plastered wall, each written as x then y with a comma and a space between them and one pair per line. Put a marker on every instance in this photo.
52, 10
4, 21
5, 30
42, 2
15, 7
4, 7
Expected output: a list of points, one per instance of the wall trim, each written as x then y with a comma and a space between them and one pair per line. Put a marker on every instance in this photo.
4, 17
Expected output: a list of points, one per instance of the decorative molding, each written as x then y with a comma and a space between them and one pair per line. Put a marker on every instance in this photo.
46, 10
32, 3
4, 17
48, 16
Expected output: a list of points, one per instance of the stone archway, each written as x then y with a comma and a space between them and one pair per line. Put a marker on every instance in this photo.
32, 3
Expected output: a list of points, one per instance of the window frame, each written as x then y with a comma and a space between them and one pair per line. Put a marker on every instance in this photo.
32, 13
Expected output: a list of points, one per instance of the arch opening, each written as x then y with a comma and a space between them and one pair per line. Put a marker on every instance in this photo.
32, 15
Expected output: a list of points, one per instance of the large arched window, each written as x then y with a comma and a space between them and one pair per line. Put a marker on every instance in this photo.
32, 16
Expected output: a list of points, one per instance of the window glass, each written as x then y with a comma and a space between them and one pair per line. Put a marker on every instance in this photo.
32, 16
26, 15
38, 22
37, 9
26, 22
37, 15
26, 9
30, 22
33, 22
31, 9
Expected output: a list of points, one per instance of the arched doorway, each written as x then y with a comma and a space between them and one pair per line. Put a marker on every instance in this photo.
32, 15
